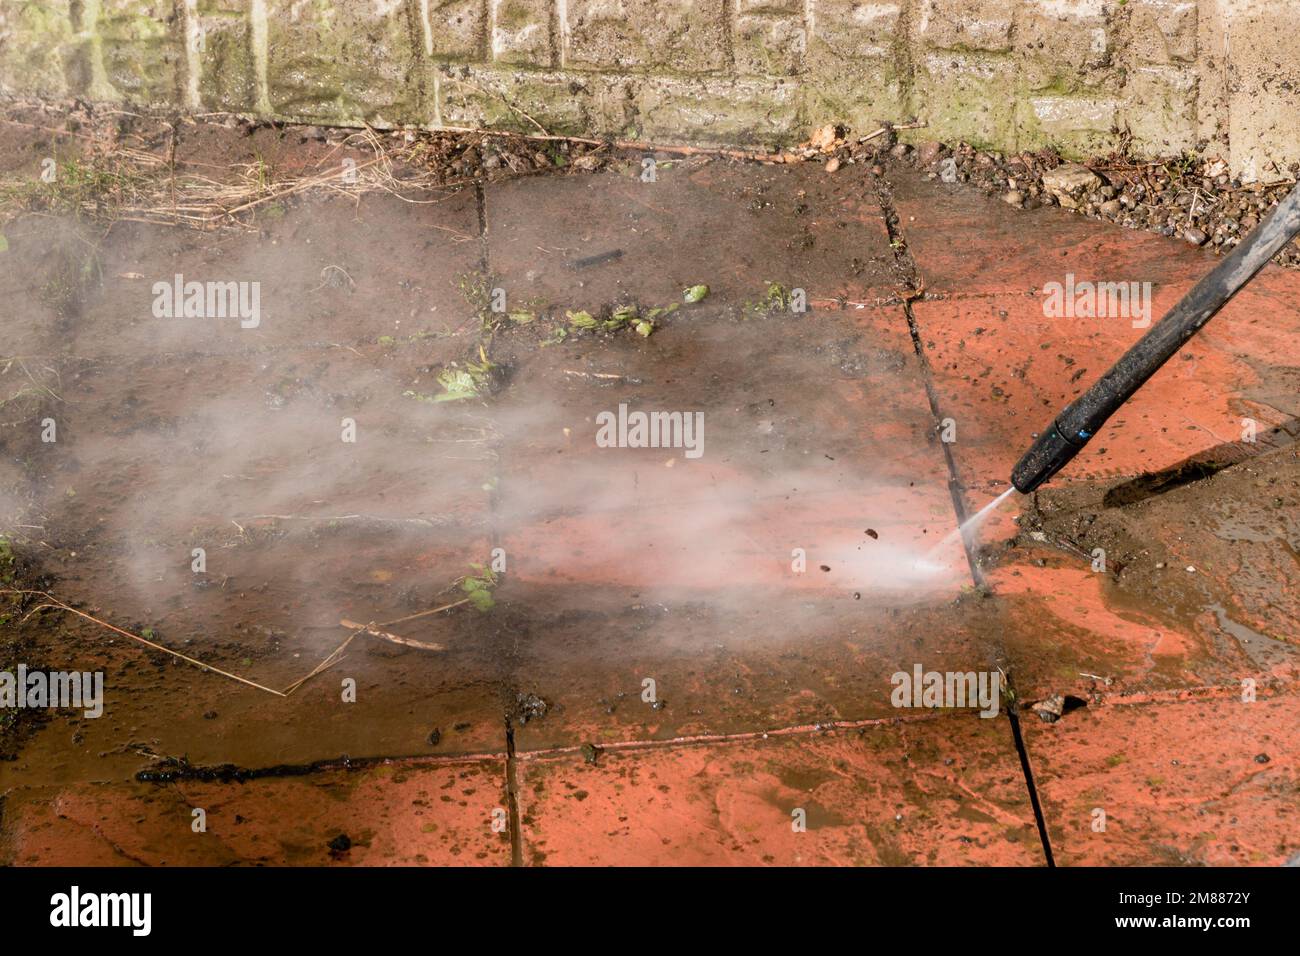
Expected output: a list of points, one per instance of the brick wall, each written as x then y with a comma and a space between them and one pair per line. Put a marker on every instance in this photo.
1003, 73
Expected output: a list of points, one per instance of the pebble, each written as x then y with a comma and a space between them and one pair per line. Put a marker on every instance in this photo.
1014, 198
832, 164
927, 153
1195, 236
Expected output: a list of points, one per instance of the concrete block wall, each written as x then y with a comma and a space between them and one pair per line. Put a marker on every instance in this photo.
1008, 74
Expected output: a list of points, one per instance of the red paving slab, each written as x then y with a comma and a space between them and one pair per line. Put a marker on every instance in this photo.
1070, 631
1003, 365
721, 668
937, 792
781, 465
683, 566
965, 243
629, 564
1005, 362
395, 814
1002, 371
1198, 783
791, 225
332, 273
183, 433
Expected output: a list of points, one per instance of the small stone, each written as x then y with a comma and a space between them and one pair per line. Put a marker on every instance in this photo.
1110, 207
1050, 710
341, 843
1262, 758
832, 164
927, 153
1196, 237
825, 136
1014, 198
1070, 180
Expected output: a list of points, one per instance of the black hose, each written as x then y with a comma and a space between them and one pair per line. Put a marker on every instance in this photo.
1070, 431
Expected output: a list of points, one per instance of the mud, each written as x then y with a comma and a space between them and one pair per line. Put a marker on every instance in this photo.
1205, 545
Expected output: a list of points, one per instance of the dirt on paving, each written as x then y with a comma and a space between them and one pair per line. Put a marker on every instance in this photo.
377, 311
1212, 544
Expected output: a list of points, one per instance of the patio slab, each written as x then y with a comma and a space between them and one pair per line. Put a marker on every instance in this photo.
942, 792
789, 225
395, 814
666, 683
1194, 783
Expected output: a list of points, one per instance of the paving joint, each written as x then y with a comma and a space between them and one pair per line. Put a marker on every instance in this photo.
907, 266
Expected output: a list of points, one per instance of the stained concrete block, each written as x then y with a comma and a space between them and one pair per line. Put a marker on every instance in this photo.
35, 40
1160, 109
1262, 83
1064, 45
140, 48
849, 30
562, 102
1079, 126
220, 41
451, 29
1162, 31
855, 74
521, 32
969, 96
681, 36
717, 109
345, 62
769, 45
972, 25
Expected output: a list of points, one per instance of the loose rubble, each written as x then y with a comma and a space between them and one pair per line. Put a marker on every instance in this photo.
1192, 198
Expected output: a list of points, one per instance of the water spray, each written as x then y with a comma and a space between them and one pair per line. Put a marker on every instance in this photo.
1070, 431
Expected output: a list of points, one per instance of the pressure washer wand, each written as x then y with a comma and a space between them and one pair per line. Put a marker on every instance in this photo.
1065, 437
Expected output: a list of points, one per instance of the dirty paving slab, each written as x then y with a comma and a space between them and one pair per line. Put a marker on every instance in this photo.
945, 791
775, 581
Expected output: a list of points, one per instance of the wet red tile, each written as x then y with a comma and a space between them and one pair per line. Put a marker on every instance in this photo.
1003, 371
319, 281
1199, 783
939, 792
965, 243
818, 439
393, 815
612, 666
1071, 631
788, 225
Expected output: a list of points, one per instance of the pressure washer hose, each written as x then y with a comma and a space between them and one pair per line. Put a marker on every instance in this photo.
1070, 431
